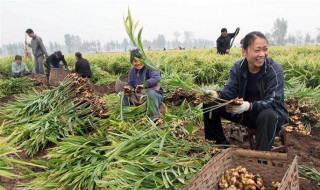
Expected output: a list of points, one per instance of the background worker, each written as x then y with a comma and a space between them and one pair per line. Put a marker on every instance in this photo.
223, 42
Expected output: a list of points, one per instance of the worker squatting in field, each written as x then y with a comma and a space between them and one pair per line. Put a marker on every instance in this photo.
259, 80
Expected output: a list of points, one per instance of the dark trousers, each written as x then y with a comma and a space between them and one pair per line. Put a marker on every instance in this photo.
16, 75
266, 122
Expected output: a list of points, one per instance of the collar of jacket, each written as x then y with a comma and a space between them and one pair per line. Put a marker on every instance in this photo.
244, 68
142, 69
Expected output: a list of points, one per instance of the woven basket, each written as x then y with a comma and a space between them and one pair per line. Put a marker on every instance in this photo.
277, 167
39, 78
56, 76
121, 82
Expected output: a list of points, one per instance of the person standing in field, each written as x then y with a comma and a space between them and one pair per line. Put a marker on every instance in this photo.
223, 42
19, 68
38, 49
259, 80
82, 66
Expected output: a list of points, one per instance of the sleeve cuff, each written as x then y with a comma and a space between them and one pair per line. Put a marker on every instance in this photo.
219, 94
252, 106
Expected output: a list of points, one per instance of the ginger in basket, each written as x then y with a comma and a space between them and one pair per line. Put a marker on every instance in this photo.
275, 185
240, 179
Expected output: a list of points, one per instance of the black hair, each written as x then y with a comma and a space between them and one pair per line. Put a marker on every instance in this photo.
17, 57
241, 42
135, 54
29, 31
251, 37
78, 55
58, 53
224, 30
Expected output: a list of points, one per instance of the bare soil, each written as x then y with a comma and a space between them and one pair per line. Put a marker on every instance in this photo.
106, 89
6, 99
307, 147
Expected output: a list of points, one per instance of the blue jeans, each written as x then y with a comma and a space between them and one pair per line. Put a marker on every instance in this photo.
154, 100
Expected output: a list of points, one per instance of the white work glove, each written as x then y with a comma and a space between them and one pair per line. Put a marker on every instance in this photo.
212, 93
238, 109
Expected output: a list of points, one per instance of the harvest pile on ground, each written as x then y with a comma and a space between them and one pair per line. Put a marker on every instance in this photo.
83, 90
301, 116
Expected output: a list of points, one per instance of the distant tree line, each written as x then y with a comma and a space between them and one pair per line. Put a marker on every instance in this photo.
73, 43
12, 49
279, 36
185, 40
161, 43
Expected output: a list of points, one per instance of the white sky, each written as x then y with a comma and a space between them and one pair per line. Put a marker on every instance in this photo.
103, 19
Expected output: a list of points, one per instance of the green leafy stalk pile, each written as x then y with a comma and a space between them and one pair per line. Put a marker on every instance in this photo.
309, 173
14, 86
10, 165
134, 157
36, 119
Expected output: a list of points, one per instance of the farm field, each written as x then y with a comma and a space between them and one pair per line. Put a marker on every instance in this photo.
78, 136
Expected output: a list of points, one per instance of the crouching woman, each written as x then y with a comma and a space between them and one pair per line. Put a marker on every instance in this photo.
143, 84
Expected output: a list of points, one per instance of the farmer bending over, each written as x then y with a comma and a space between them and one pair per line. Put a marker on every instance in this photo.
54, 61
259, 81
142, 81
19, 68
